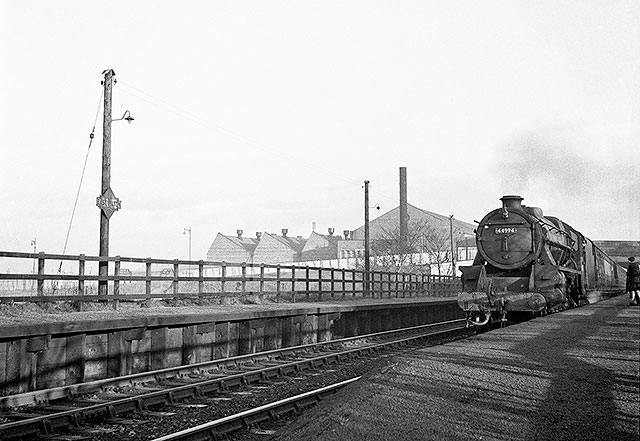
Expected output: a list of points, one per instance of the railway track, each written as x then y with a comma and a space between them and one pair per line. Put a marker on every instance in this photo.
232, 423
61, 410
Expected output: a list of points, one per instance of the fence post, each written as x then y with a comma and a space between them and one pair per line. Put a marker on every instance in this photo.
261, 278
372, 284
41, 273
223, 274
148, 282
333, 282
306, 282
353, 280
200, 281
278, 283
344, 282
244, 278
319, 284
81, 262
116, 281
293, 284
176, 277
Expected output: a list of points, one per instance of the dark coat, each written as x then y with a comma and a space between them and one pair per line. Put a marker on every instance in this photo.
633, 276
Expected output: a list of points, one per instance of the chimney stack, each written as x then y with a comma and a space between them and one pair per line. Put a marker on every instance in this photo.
331, 231
239, 233
512, 201
346, 234
258, 234
285, 232
404, 219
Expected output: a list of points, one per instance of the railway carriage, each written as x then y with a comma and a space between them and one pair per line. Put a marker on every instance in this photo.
528, 263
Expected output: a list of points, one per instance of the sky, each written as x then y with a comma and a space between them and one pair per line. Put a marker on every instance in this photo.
262, 115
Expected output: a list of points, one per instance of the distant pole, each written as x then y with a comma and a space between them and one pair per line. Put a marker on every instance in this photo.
453, 248
367, 264
103, 267
185, 231
33, 269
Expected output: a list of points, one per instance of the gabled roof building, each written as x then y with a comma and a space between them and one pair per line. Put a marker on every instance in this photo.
321, 247
232, 249
270, 248
391, 221
274, 249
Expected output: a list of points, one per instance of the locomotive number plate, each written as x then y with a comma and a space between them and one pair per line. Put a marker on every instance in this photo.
506, 230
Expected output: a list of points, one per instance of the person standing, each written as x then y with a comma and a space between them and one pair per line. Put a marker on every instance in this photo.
633, 281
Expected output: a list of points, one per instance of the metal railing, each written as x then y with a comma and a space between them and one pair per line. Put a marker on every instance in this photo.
136, 279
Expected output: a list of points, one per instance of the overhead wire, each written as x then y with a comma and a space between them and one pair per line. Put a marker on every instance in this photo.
159, 102
156, 101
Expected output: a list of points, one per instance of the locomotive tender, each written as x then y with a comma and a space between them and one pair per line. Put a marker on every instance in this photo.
528, 263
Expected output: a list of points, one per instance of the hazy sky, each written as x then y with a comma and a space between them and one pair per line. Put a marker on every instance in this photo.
262, 115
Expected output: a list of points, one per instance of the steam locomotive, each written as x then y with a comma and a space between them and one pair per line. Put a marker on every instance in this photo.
528, 263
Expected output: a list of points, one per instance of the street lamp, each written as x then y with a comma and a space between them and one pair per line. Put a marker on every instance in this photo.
127, 117
185, 231
34, 244
453, 247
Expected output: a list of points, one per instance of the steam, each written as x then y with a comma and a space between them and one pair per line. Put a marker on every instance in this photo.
592, 184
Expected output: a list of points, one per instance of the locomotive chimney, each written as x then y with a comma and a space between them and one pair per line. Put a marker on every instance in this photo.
511, 202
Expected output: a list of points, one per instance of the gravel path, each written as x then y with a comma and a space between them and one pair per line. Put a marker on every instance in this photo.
574, 375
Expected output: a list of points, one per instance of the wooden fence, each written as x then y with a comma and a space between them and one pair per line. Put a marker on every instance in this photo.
136, 279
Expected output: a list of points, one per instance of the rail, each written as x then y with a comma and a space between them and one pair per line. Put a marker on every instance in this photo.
135, 279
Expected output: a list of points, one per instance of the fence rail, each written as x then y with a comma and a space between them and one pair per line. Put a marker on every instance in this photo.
131, 278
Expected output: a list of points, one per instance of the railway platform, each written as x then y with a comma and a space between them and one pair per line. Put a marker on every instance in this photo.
42, 351
571, 375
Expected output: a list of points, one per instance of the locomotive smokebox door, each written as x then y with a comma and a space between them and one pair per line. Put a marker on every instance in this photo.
507, 237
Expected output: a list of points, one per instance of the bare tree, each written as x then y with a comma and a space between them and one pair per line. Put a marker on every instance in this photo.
425, 245
437, 245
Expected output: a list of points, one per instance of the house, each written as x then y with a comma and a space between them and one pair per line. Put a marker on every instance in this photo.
233, 249
321, 247
466, 248
274, 249
270, 248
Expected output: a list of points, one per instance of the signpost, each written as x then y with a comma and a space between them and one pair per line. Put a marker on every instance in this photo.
108, 203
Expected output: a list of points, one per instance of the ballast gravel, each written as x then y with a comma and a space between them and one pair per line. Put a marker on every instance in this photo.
574, 375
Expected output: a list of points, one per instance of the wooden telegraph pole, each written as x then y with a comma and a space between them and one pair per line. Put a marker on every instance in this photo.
453, 246
367, 264
107, 201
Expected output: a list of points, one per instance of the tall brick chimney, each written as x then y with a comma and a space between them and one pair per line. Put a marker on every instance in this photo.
404, 218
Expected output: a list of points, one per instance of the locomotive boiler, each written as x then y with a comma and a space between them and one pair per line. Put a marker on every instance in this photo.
528, 263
